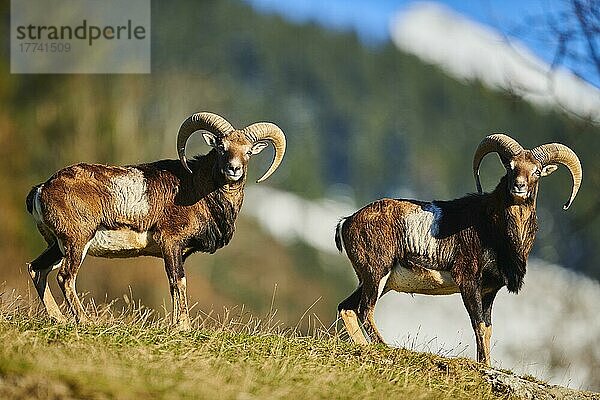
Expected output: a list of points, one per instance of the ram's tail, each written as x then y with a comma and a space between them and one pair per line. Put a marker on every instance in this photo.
339, 240
31, 198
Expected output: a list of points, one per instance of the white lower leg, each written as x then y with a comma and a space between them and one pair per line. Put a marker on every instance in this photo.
40, 281
183, 318
354, 329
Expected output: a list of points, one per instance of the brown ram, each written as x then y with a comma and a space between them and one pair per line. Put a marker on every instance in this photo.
474, 245
168, 208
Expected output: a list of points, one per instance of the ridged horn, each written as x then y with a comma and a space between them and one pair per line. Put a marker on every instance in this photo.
204, 121
272, 133
504, 145
559, 153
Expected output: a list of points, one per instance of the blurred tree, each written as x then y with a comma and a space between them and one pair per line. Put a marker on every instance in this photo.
370, 118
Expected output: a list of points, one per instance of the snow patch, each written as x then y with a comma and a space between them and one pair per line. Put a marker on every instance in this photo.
469, 50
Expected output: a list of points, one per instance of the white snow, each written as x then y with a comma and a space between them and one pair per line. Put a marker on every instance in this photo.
469, 50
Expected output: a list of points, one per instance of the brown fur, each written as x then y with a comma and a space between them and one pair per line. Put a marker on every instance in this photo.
158, 207
483, 241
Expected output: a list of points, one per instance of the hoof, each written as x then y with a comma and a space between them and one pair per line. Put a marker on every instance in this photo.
83, 320
58, 318
183, 325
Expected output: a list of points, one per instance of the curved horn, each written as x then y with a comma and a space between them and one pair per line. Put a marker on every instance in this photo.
559, 153
504, 145
200, 121
272, 133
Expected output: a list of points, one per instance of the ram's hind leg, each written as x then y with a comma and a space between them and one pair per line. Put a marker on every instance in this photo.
359, 308
39, 269
348, 310
67, 274
366, 308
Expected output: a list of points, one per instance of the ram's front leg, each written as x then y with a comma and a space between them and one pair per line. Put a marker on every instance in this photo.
177, 285
487, 301
471, 295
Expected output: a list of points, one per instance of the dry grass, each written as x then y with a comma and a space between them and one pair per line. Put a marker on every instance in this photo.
131, 352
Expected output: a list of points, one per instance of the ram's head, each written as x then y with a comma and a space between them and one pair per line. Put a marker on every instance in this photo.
233, 147
525, 167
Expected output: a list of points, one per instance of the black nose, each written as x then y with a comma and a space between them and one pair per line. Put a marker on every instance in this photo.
520, 185
233, 169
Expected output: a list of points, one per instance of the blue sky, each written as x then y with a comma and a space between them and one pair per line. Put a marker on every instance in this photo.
370, 19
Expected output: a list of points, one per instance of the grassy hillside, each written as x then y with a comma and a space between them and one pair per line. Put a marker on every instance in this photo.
134, 355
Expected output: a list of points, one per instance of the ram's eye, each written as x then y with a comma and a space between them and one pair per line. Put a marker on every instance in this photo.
249, 153
537, 172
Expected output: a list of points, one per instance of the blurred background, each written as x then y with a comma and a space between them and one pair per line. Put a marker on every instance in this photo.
377, 98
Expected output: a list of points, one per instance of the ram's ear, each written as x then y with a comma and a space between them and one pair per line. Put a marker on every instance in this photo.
508, 163
210, 139
259, 146
548, 169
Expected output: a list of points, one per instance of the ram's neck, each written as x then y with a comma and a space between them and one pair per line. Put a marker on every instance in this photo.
521, 228
223, 203
516, 226
233, 194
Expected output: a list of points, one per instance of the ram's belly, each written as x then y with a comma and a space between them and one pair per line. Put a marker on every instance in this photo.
122, 243
421, 281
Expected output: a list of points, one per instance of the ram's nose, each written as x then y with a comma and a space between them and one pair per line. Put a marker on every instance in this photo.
233, 172
519, 189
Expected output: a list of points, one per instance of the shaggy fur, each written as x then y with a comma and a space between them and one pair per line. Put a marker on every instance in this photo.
156, 209
473, 245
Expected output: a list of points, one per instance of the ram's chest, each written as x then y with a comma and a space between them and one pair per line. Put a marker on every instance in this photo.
211, 236
122, 243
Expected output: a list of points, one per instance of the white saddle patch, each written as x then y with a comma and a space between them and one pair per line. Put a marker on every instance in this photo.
421, 281
420, 230
130, 194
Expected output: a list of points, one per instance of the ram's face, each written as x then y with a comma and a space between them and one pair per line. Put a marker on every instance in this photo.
523, 173
234, 152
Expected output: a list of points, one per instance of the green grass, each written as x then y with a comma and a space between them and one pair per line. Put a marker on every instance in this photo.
134, 354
